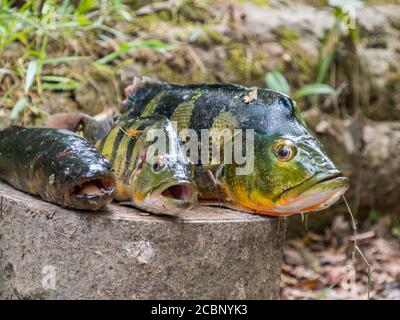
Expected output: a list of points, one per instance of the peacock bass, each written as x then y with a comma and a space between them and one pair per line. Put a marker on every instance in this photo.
291, 172
152, 179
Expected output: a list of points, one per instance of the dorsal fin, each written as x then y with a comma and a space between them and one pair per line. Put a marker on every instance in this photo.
142, 89
140, 82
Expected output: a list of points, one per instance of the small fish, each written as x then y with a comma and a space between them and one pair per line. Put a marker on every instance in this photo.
157, 183
291, 174
57, 165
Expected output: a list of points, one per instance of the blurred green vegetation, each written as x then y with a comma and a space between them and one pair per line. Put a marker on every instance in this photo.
57, 46
67, 55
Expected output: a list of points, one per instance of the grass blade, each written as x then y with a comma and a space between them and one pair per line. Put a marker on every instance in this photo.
21, 104
62, 59
314, 89
30, 74
276, 81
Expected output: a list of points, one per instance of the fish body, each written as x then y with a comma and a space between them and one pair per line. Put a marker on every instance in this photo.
291, 172
57, 165
157, 181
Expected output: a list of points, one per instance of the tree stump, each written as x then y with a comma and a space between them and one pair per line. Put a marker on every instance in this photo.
47, 252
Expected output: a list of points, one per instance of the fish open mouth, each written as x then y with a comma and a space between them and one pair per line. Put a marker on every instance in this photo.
91, 193
181, 192
170, 198
93, 187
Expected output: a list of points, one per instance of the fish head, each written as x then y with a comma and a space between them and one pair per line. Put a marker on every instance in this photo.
80, 173
292, 172
163, 179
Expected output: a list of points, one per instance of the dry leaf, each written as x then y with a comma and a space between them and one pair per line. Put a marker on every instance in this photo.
251, 96
134, 133
310, 284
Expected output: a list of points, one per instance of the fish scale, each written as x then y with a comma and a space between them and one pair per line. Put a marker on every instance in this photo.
274, 119
168, 190
49, 163
119, 147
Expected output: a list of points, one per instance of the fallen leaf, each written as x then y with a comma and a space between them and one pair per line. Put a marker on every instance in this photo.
310, 284
134, 133
251, 96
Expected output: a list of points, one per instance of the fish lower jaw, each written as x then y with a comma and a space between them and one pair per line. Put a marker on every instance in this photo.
163, 205
91, 193
171, 199
310, 203
317, 198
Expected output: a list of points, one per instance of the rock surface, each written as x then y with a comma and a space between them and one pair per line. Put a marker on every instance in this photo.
47, 252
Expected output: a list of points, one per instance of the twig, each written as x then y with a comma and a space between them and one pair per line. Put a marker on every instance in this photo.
356, 247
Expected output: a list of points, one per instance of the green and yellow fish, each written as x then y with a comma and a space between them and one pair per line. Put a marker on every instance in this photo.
291, 172
154, 180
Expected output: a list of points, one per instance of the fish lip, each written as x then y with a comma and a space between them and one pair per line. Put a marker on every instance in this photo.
315, 179
184, 203
95, 201
318, 192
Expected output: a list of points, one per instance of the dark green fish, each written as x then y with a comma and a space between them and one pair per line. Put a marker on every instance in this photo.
291, 172
58, 165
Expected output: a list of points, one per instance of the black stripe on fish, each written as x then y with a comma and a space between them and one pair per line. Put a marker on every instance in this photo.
101, 145
116, 144
137, 101
170, 100
206, 109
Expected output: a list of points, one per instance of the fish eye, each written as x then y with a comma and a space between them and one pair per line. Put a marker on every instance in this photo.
158, 164
285, 150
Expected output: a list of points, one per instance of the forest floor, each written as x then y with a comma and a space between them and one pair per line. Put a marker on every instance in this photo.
325, 266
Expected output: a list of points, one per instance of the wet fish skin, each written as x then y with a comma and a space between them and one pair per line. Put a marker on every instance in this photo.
169, 190
57, 165
308, 181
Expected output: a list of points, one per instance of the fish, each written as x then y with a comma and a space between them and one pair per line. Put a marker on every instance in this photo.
156, 182
291, 171
58, 165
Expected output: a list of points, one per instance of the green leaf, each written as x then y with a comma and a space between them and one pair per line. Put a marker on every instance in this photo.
60, 85
56, 79
126, 15
314, 89
113, 55
276, 81
30, 74
21, 104
86, 5
154, 44
61, 59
